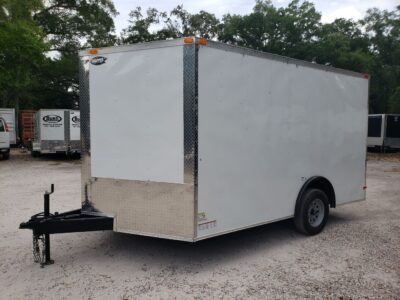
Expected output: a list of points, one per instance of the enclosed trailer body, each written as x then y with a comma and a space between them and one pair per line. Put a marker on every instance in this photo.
215, 138
55, 131
8, 115
384, 131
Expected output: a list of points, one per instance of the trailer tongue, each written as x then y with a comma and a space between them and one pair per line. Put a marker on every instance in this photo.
43, 224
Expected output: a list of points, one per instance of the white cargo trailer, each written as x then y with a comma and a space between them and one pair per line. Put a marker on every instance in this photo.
384, 131
212, 139
218, 138
56, 131
8, 115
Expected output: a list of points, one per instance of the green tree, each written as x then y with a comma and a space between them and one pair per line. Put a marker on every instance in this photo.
70, 25
383, 29
22, 50
156, 25
290, 31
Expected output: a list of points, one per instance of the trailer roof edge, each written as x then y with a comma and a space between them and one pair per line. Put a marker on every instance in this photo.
281, 58
222, 46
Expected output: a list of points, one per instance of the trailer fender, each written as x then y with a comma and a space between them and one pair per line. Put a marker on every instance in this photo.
317, 182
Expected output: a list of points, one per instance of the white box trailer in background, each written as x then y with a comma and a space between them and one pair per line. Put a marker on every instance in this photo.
384, 131
8, 115
218, 138
56, 131
213, 139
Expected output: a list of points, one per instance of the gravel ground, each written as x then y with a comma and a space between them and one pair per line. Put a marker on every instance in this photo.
356, 256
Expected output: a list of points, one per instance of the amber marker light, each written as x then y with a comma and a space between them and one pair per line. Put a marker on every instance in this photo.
93, 51
202, 41
188, 40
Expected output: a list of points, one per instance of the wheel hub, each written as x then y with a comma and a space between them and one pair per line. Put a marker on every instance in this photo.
316, 212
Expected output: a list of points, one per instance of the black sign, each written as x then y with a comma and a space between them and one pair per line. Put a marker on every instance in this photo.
98, 60
52, 119
75, 119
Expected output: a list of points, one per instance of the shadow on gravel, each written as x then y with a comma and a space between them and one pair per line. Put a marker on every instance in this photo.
132, 249
19, 154
58, 157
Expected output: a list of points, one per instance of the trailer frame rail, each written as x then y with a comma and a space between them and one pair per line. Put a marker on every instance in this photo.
43, 224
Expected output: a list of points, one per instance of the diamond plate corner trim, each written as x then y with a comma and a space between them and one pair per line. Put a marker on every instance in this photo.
190, 106
84, 103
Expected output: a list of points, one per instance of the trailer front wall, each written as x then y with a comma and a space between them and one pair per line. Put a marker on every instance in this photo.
134, 162
265, 127
50, 131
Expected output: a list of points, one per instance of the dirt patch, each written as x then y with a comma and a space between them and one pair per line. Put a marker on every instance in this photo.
395, 157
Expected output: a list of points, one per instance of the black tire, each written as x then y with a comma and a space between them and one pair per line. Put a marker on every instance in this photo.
312, 212
35, 153
6, 155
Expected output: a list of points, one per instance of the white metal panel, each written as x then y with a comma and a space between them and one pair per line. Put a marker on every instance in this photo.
74, 125
51, 124
136, 109
8, 114
265, 127
4, 136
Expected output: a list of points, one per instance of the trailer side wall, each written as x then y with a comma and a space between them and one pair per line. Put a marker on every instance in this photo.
265, 127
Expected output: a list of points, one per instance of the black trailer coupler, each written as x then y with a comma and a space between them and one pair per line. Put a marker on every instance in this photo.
43, 224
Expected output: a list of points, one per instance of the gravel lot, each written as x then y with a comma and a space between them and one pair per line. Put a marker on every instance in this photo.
356, 256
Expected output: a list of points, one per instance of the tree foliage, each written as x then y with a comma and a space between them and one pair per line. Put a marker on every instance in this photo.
22, 50
156, 25
39, 40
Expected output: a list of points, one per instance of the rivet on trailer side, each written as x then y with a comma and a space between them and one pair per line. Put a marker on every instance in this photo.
213, 139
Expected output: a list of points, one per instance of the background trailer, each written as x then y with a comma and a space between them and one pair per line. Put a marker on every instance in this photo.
384, 131
216, 138
56, 131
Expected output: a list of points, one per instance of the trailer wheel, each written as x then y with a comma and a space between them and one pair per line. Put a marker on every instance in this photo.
6, 155
35, 153
312, 213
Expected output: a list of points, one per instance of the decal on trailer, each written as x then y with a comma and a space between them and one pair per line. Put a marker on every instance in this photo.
207, 225
98, 60
76, 122
52, 121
